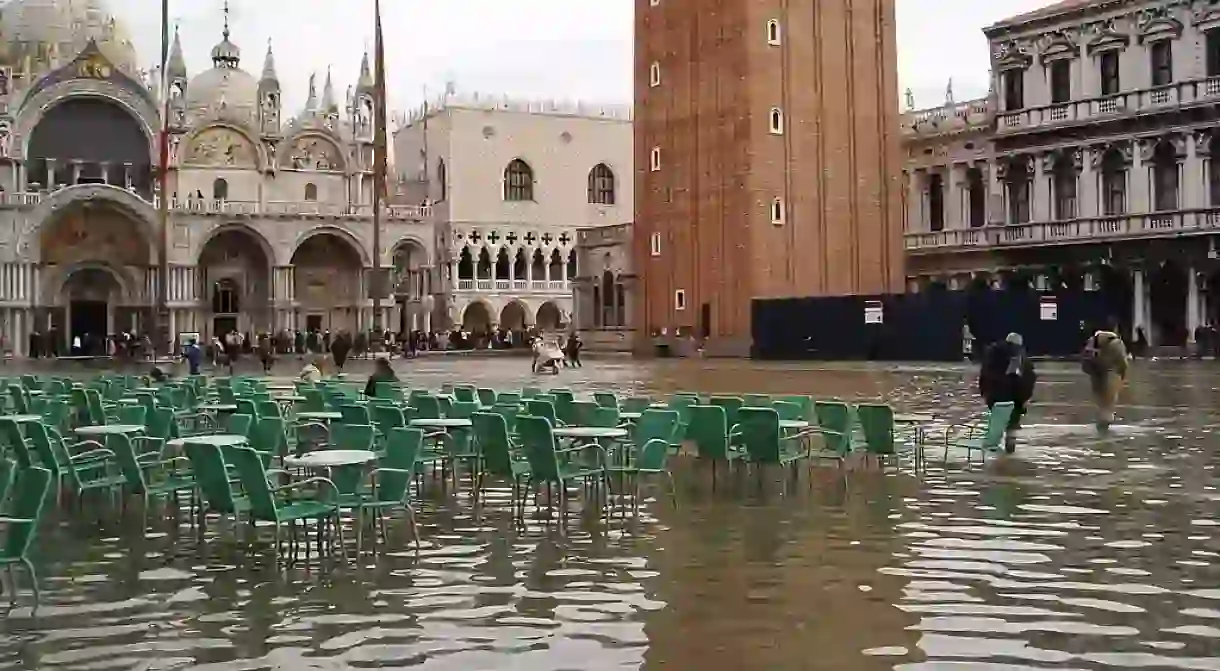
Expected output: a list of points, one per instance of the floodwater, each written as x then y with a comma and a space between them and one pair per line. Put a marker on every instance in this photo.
1081, 552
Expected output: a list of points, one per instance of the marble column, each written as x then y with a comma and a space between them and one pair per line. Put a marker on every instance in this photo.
50, 185
1193, 176
1139, 302
1192, 304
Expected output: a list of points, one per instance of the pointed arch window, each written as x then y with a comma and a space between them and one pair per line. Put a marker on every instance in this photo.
311, 192
518, 181
601, 185
220, 190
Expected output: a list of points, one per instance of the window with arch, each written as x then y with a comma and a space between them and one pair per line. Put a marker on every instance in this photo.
773, 35
442, 180
220, 190
936, 202
1113, 183
1165, 177
1064, 181
776, 121
311, 191
518, 181
977, 197
601, 185
1016, 183
777, 211
654, 74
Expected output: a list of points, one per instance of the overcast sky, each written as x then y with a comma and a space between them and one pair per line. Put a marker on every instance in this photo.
531, 48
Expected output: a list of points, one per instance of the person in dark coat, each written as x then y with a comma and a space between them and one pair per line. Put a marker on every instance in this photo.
193, 356
339, 348
382, 372
1007, 375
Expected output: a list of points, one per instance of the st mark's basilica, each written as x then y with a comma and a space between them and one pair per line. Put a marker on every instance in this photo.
270, 224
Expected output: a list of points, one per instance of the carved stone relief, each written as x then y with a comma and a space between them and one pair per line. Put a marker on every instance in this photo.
221, 147
311, 153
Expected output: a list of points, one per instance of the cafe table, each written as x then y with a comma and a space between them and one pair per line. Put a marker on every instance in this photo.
108, 430
21, 419
345, 466
320, 415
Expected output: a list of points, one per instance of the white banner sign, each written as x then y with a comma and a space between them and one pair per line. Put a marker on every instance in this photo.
1048, 309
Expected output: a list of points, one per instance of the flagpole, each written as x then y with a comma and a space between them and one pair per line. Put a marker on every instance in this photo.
157, 337
379, 168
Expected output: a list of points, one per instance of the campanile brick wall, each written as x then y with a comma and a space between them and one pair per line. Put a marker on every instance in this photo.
837, 166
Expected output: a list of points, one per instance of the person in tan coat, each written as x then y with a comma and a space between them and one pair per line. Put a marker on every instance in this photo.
1105, 361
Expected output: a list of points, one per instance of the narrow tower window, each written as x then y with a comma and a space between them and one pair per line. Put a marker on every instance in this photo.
654, 74
655, 244
777, 121
777, 211
654, 159
773, 37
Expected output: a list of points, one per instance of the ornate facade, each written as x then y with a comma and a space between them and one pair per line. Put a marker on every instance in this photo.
604, 289
270, 213
1090, 165
510, 182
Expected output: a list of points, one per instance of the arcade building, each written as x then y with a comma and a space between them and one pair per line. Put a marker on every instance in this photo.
1087, 176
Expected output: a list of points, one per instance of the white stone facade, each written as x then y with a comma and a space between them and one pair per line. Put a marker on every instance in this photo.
1095, 149
270, 221
509, 183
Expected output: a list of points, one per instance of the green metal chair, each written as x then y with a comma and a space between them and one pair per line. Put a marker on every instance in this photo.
709, 430
648, 461
543, 455
502, 456
20, 527
269, 503
764, 442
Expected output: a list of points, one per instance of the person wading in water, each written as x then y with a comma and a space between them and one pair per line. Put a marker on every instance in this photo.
1105, 361
1007, 375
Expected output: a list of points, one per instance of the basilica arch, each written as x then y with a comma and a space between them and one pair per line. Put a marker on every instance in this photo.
97, 260
328, 276
235, 273
89, 140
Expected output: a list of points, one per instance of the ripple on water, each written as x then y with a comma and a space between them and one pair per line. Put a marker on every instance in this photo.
1084, 551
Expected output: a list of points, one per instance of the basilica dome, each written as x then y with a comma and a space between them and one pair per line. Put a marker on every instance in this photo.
45, 30
225, 90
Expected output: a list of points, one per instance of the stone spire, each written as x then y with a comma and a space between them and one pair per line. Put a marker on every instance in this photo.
311, 102
328, 96
176, 67
269, 74
365, 84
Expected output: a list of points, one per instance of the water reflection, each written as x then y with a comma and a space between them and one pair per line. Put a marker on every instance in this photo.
1085, 551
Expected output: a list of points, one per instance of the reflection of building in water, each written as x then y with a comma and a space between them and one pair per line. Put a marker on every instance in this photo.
603, 291
269, 214
510, 182
1087, 172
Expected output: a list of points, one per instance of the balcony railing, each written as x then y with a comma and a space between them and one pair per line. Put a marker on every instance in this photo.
1130, 226
1088, 110
510, 286
248, 208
